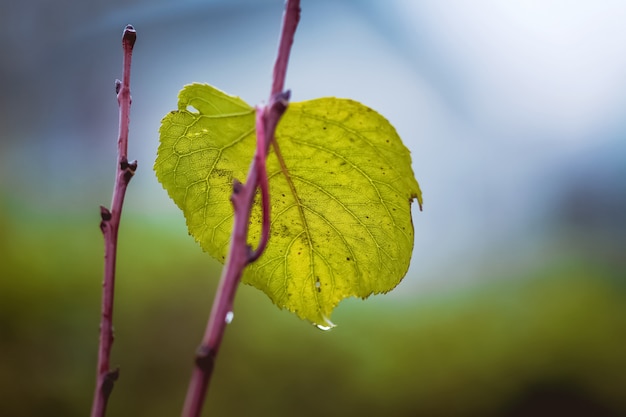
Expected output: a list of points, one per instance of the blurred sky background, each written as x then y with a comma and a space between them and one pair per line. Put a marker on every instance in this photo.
513, 112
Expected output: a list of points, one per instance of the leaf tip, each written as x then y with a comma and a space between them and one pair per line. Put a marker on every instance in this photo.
420, 202
418, 196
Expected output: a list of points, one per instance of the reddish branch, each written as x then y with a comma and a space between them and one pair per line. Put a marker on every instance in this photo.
109, 225
240, 253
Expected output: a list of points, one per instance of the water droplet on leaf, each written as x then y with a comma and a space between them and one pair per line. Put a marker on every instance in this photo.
229, 317
327, 325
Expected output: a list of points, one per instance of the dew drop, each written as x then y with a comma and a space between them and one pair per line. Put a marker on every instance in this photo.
229, 317
322, 327
326, 326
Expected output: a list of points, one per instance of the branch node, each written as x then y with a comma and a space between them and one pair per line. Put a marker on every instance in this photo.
118, 86
252, 255
237, 187
281, 98
109, 381
128, 168
278, 106
105, 214
132, 165
205, 358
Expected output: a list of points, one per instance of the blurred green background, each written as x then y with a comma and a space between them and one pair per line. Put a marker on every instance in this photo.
515, 303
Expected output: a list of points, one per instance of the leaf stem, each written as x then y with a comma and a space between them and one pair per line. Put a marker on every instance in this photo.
240, 253
109, 225
259, 161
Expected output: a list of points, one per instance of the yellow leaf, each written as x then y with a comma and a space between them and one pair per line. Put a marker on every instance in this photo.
341, 187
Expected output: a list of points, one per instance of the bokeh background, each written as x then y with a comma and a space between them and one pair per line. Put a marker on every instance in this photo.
515, 302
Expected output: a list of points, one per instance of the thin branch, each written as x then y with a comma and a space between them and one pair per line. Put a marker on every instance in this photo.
109, 225
240, 254
291, 18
